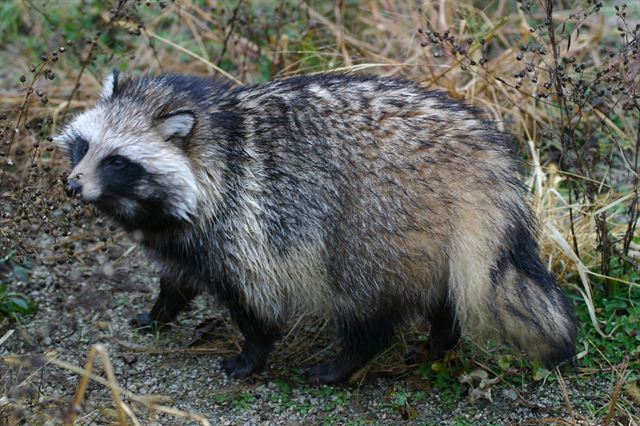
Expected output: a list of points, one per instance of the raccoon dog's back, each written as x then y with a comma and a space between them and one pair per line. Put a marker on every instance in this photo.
368, 198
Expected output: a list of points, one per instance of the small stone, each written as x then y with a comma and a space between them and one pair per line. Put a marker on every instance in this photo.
129, 358
509, 394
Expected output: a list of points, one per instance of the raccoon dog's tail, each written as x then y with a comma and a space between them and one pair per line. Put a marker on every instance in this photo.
508, 293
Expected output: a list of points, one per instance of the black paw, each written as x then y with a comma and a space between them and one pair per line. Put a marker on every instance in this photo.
416, 356
239, 367
143, 322
326, 373
438, 350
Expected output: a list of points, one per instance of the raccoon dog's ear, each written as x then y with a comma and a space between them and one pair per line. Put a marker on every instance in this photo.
176, 124
110, 86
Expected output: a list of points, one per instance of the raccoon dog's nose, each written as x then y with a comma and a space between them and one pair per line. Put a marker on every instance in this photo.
74, 188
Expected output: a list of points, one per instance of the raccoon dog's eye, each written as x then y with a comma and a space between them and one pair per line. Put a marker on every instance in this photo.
117, 162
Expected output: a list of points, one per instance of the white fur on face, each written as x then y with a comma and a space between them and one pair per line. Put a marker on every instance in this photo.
85, 171
126, 134
91, 185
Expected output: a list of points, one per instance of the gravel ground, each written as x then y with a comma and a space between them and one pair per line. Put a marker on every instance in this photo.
90, 298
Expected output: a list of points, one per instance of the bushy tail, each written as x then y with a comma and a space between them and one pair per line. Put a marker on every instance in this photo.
533, 314
511, 296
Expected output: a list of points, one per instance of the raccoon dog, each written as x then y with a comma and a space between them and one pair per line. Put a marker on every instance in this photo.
367, 199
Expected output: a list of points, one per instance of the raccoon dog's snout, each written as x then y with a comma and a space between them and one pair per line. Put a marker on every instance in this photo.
74, 188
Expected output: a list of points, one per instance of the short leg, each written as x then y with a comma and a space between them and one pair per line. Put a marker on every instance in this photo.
174, 298
362, 339
445, 331
259, 337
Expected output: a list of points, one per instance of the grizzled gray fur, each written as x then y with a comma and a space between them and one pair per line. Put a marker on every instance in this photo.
365, 199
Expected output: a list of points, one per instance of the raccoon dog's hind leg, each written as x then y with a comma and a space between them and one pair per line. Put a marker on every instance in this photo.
362, 339
445, 330
444, 335
174, 298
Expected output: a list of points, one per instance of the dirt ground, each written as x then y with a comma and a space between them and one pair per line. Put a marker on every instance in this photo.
88, 298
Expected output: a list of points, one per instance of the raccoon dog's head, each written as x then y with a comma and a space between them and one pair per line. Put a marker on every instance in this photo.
128, 152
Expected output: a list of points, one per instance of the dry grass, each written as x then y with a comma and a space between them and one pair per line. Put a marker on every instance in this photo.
587, 202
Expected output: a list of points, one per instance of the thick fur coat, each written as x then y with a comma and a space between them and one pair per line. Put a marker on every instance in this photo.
363, 198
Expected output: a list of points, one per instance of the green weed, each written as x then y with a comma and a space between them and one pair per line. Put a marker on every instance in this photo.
12, 303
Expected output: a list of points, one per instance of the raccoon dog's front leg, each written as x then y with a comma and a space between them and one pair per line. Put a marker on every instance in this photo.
259, 337
361, 340
174, 298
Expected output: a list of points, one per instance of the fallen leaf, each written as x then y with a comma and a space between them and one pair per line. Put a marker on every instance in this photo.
483, 388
